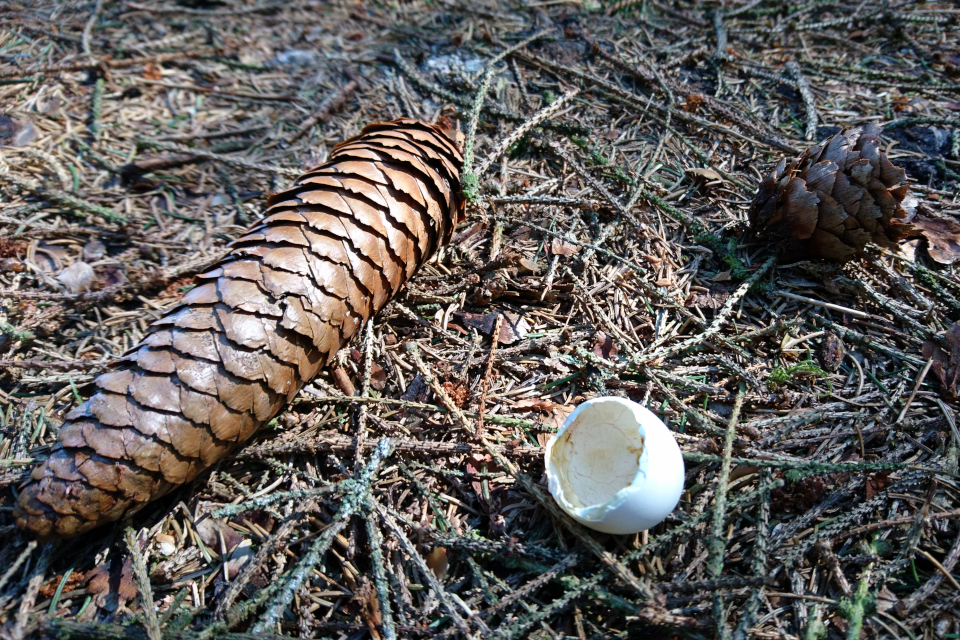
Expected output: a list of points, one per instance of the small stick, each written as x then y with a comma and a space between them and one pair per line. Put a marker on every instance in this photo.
78, 205
573, 203
111, 64
411, 550
365, 392
51, 364
375, 539
717, 324
489, 370
913, 394
940, 568
721, 29
826, 305
238, 162
525, 128
471, 180
96, 107
143, 583
87, 30
16, 563
414, 350
809, 102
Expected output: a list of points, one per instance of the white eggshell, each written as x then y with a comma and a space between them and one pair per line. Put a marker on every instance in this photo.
615, 467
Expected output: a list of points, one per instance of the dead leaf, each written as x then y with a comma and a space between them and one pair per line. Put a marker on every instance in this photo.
723, 276
112, 583
77, 277
909, 249
417, 391
94, 250
111, 275
536, 404
831, 352
603, 346
514, 326
877, 483
943, 238
239, 558
378, 377
710, 175
366, 595
438, 562
711, 299
166, 544
151, 71
210, 530
528, 266
16, 133
48, 257
946, 364
799, 496
50, 588
692, 102
886, 600
458, 392
560, 247
558, 416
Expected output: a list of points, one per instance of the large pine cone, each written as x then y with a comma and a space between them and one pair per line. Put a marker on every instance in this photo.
330, 253
834, 199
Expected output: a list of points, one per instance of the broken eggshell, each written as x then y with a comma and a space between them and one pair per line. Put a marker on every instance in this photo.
615, 467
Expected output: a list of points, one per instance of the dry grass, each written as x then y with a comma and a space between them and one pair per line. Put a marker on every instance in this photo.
162, 129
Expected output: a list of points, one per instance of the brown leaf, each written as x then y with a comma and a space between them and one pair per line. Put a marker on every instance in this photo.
603, 346
514, 326
799, 496
560, 247
946, 364
16, 133
831, 352
341, 378
723, 276
558, 416
210, 530
239, 558
151, 71
113, 583
458, 392
711, 299
438, 562
50, 588
709, 175
692, 102
378, 377
536, 404
77, 277
877, 483
943, 237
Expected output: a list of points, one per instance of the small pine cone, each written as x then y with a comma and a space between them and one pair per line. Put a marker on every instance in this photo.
834, 199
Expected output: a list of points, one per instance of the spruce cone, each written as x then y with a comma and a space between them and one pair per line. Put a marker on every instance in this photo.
329, 254
834, 199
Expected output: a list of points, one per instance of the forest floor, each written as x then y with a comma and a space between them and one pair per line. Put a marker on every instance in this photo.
815, 403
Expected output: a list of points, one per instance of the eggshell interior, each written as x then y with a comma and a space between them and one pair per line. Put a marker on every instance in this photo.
614, 466
598, 456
